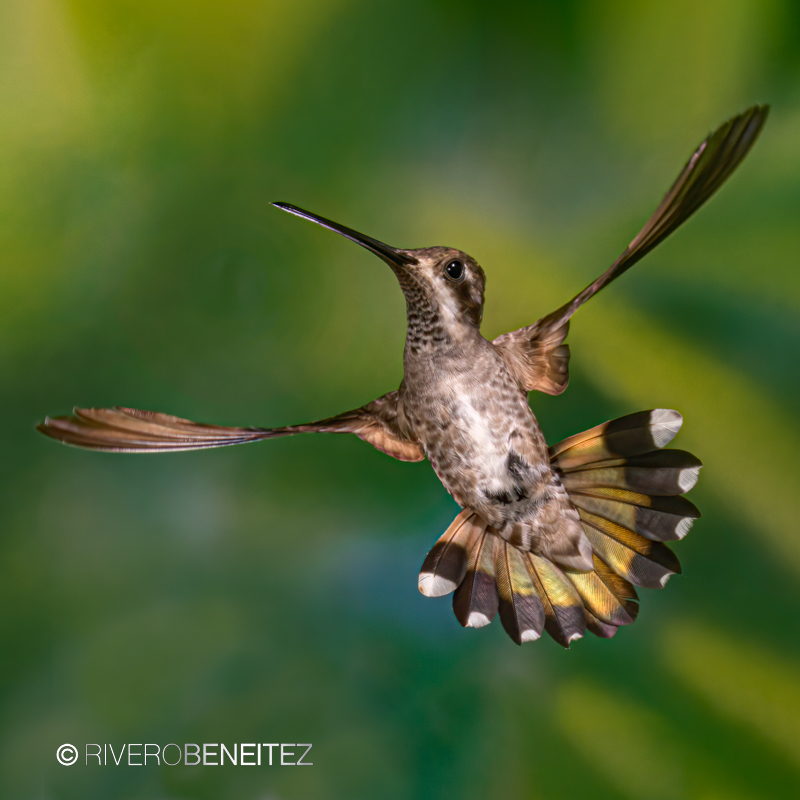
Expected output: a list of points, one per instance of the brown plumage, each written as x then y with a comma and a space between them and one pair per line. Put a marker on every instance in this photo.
552, 539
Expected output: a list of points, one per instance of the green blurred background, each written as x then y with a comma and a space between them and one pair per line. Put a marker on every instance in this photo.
268, 593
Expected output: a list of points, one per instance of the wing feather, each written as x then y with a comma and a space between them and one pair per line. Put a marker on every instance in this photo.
536, 354
130, 430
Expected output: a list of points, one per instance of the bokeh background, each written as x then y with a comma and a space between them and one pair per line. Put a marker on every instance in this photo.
268, 593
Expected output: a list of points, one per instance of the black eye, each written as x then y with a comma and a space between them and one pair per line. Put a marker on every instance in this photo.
455, 270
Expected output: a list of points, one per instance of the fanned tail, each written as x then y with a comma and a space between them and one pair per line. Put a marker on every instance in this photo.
627, 491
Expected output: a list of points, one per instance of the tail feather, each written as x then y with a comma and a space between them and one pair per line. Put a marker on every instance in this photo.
660, 520
446, 564
601, 600
627, 436
598, 628
642, 561
620, 586
476, 601
627, 492
521, 609
627, 498
564, 617
661, 473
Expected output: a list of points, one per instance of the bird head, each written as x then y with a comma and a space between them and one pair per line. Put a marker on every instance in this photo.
438, 281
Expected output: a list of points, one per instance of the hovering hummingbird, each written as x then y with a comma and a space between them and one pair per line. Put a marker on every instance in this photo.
554, 539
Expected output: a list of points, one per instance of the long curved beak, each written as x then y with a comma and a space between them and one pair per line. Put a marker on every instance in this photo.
391, 255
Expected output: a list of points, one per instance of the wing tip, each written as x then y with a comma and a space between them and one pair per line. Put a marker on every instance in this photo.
50, 427
760, 110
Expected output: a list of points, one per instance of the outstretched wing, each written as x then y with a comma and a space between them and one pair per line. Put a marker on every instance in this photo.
536, 354
128, 430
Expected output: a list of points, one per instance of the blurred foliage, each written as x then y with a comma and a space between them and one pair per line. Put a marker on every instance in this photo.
268, 593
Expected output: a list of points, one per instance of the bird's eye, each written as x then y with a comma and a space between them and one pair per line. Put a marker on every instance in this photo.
454, 270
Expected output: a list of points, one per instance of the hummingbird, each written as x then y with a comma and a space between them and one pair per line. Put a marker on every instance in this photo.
552, 538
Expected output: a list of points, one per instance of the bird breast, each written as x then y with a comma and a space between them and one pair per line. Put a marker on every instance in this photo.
479, 434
